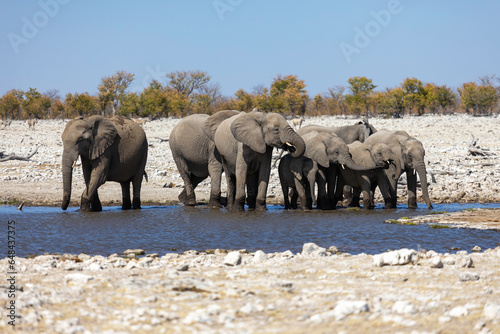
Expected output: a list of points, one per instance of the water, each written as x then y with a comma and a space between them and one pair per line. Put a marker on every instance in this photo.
163, 229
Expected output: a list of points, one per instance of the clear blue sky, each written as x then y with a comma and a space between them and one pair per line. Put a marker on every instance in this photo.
70, 45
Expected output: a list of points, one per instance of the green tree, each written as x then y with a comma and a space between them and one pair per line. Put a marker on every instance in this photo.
112, 90
478, 98
288, 95
415, 98
242, 101
361, 90
81, 104
10, 104
154, 100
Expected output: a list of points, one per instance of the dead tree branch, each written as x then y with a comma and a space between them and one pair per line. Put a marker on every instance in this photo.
13, 156
476, 150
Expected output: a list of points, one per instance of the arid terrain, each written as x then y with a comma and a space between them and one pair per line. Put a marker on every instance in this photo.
215, 291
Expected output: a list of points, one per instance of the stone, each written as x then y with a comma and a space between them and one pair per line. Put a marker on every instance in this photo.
404, 307
145, 262
476, 249
119, 263
250, 308
459, 311
464, 277
78, 278
312, 250
333, 250
465, 262
232, 258
183, 267
259, 256
94, 267
436, 262
394, 258
491, 311
134, 251
347, 307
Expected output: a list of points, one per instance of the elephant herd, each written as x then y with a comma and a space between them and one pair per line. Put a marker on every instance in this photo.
240, 145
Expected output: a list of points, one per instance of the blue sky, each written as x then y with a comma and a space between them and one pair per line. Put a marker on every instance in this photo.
70, 45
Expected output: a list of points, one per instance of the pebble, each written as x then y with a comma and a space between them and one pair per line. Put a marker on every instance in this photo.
398, 257
259, 257
464, 277
312, 250
233, 258
491, 311
404, 307
436, 262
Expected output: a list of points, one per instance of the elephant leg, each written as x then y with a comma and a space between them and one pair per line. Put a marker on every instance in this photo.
126, 204
136, 190
301, 192
263, 180
95, 203
215, 172
388, 188
252, 184
97, 178
284, 189
331, 181
187, 196
347, 193
231, 189
322, 195
294, 199
365, 189
411, 178
356, 196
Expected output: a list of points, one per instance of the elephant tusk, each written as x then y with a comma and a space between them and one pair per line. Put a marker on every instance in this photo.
289, 147
74, 163
342, 165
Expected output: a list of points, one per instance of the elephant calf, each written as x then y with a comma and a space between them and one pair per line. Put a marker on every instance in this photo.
113, 149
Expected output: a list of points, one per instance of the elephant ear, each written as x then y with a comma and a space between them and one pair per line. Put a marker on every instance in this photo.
247, 129
104, 133
212, 123
316, 150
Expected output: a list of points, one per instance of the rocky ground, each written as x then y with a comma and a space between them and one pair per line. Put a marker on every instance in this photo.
315, 291
456, 175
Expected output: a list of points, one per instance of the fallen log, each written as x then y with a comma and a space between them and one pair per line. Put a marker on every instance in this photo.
13, 156
476, 150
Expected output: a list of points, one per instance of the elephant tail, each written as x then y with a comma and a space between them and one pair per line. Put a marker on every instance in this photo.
146, 176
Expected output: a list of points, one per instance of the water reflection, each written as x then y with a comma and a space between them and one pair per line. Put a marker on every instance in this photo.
163, 229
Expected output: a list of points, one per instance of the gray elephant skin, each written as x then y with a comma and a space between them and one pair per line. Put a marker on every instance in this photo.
412, 156
196, 158
299, 174
245, 143
375, 159
349, 133
113, 149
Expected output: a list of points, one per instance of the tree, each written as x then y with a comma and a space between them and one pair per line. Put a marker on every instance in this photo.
243, 101
288, 95
206, 99
396, 101
478, 98
186, 82
336, 100
81, 104
10, 104
154, 100
112, 90
438, 98
361, 90
414, 95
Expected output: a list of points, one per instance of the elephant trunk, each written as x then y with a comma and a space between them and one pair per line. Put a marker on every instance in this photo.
292, 142
422, 175
349, 163
68, 159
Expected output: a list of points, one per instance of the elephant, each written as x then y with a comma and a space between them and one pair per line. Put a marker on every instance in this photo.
300, 175
411, 153
196, 158
349, 133
245, 143
113, 149
324, 153
375, 158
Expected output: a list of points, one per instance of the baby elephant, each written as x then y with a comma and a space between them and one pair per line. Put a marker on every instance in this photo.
299, 174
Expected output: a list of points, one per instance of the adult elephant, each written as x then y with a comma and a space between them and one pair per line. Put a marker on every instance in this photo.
411, 154
113, 149
196, 158
324, 153
375, 159
245, 143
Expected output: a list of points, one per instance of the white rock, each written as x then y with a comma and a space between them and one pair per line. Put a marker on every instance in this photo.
436, 262
251, 308
347, 307
491, 311
232, 258
404, 307
397, 257
120, 262
312, 250
259, 256
199, 316
145, 262
464, 277
458, 311
78, 278
94, 267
